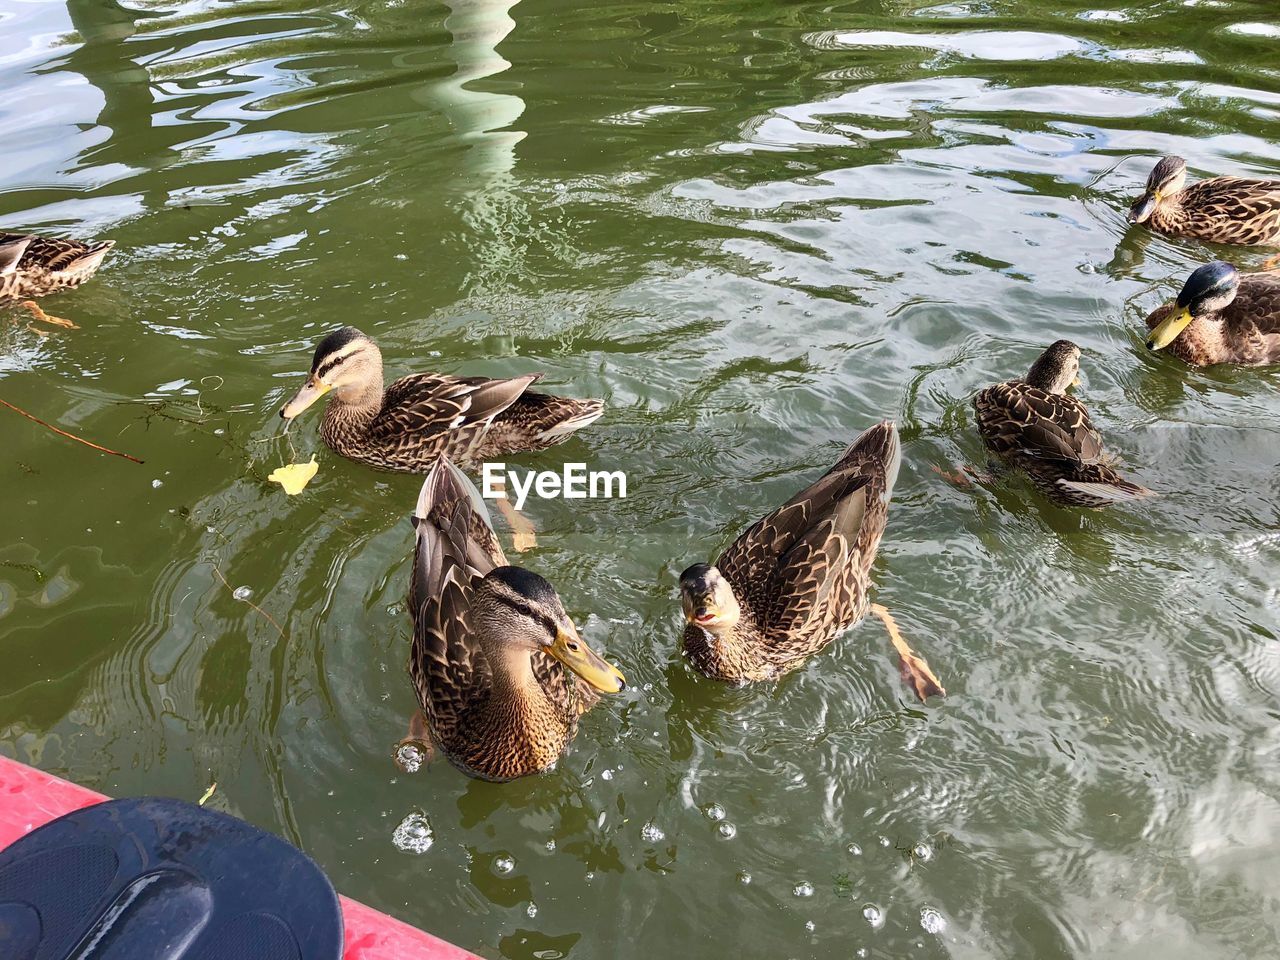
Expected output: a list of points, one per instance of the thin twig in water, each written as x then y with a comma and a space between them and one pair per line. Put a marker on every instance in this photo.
69, 436
264, 613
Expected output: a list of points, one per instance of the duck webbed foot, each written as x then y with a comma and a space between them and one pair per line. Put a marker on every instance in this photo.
915, 671
962, 477
34, 309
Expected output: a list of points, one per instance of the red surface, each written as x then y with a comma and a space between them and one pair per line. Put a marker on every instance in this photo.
30, 798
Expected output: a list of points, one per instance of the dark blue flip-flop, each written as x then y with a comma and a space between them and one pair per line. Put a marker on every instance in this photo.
159, 879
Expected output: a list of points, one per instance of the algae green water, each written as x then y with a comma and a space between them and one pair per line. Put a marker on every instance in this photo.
754, 228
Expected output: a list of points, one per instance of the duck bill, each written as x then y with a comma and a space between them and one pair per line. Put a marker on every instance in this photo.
1142, 209
571, 651
1168, 331
311, 391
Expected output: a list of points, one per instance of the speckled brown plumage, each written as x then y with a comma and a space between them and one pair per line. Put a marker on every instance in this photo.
1033, 425
421, 416
801, 574
469, 419
32, 266
1245, 331
485, 723
1220, 210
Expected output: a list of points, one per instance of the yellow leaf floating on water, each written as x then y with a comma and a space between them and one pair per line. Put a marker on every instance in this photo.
295, 476
207, 794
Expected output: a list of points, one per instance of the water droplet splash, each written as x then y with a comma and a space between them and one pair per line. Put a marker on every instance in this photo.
853, 850
409, 757
652, 833
873, 915
503, 864
531, 910
932, 921
744, 878
922, 852
414, 834
802, 889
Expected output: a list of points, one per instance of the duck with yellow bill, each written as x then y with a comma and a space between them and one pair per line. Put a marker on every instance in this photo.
501, 672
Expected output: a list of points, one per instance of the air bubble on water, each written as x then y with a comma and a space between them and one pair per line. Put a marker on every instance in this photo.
531, 910
651, 832
885, 841
860, 952
714, 812
853, 850
922, 852
810, 926
726, 830
157, 484
218, 431
803, 889
591, 875
551, 845
503, 864
606, 774
744, 878
414, 835
409, 757
932, 921
242, 593
873, 914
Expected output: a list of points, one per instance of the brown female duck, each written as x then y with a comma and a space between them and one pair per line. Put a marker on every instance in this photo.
421, 416
1220, 210
798, 577
1031, 423
1221, 316
491, 643
32, 266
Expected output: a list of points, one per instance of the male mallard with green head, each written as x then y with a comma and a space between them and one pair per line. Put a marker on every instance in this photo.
1221, 316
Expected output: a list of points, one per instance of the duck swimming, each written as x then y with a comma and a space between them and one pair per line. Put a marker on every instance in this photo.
1034, 425
500, 670
795, 579
1220, 210
1221, 316
424, 415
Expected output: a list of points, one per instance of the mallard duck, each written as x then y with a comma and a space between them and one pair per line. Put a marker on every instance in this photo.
1034, 425
491, 643
1221, 317
423, 415
798, 577
1220, 210
32, 266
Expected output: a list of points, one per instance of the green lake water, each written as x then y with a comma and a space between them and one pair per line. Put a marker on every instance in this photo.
754, 228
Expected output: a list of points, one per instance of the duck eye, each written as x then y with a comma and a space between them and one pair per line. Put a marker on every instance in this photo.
573, 647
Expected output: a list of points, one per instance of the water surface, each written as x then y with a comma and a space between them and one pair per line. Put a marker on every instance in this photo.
755, 228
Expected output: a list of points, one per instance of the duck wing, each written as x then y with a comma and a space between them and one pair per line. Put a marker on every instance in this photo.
451, 553
432, 402
1017, 419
